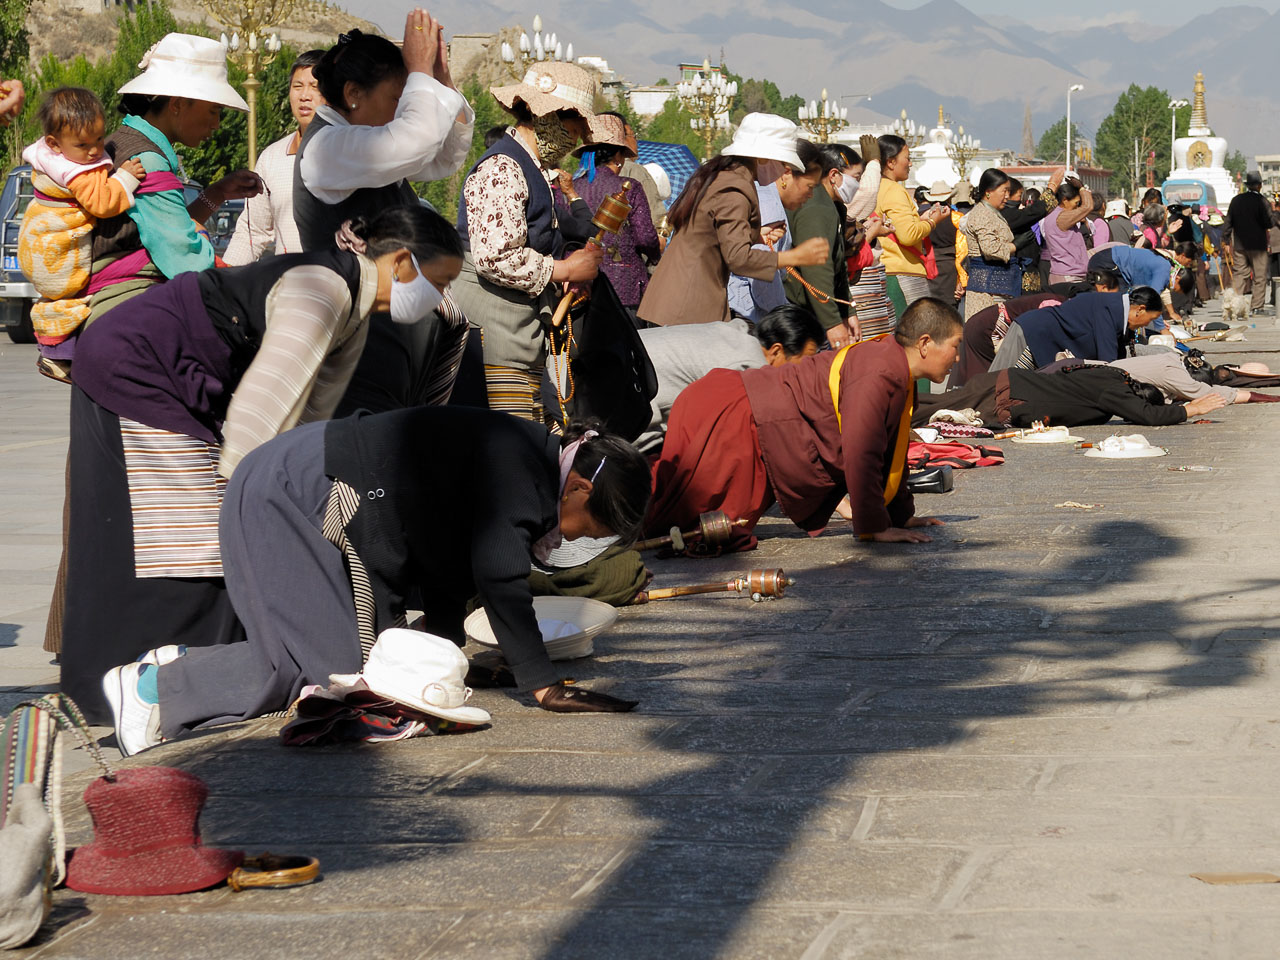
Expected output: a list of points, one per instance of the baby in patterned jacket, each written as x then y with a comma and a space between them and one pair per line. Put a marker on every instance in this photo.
74, 185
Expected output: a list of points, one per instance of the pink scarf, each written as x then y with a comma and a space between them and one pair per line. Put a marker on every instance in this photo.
542, 549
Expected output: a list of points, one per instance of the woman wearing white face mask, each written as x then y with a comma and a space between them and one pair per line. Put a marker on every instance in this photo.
188, 378
824, 287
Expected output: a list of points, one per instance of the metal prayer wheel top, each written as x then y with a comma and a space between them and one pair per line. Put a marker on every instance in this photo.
766, 583
716, 528
611, 215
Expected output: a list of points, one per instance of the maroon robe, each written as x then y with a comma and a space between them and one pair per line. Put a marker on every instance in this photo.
811, 460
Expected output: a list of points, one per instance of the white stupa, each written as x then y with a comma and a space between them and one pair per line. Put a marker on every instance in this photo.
1200, 155
931, 161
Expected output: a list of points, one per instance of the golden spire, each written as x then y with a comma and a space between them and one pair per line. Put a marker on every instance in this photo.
1199, 118
941, 121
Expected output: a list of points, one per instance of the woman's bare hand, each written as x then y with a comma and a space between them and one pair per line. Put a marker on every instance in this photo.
1206, 404
12, 96
581, 266
236, 186
421, 42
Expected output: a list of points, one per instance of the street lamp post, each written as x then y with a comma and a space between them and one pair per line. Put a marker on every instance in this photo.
963, 149
824, 118
1070, 90
1174, 106
529, 51
251, 46
706, 96
908, 130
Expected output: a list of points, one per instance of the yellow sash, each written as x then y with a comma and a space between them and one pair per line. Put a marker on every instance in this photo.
899, 465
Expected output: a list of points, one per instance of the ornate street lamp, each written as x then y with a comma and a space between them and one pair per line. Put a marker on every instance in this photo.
707, 96
1074, 88
910, 131
251, 46
530, 51
1174, 106
824, 118
962, 148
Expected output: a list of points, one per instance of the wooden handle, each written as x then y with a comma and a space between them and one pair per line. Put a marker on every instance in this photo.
668, 593
562, 310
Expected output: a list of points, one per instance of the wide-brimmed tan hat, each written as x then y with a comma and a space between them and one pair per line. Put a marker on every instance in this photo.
549, 87
183, 65
606, 131
940, 191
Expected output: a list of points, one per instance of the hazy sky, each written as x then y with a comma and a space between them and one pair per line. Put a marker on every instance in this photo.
1092, 10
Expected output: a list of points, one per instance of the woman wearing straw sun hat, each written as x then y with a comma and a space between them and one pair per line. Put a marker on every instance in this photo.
516, 260
636, 244
177, 99
716, 222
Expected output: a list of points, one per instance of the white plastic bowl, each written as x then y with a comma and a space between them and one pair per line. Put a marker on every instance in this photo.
590, 616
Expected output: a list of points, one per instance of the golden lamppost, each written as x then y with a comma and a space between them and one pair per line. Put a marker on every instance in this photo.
962, 149
708, 97
910, 131
251, 47
823, 118
528, 52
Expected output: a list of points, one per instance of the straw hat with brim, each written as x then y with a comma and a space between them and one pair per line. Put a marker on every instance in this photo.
181, 65
766, 137
963, 193
606, 131
146, 837
940, 191
549, 87
660, 179
422, 671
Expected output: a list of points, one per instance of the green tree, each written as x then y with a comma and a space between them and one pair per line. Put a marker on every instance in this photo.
444, 194
1236, 163
14, 53
1052, 147
1141, 115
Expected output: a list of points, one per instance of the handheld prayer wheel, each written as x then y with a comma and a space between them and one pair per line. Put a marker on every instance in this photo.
757, 584
715, 528
610, 217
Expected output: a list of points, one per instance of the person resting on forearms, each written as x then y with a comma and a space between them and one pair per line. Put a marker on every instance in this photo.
688, 352
806, 433
1084, 395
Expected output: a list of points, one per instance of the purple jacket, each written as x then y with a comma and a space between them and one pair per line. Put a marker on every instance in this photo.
623, 263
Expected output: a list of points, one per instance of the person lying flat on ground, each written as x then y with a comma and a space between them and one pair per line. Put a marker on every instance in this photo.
1074, 397
807, 433
688, 352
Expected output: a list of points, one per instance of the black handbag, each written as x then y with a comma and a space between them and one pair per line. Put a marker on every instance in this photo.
600, 365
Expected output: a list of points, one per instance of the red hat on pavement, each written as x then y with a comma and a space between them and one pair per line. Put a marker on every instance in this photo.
146, 837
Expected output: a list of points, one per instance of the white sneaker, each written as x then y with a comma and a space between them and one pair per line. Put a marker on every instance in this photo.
162, 655
137, 722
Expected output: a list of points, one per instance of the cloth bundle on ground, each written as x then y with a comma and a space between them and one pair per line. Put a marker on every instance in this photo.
613, 577
961, 456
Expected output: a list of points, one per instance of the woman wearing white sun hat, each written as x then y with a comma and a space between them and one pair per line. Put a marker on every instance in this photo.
716, 222
177, 99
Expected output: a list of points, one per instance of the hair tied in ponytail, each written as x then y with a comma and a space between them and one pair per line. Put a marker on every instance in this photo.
344, 38
346, 237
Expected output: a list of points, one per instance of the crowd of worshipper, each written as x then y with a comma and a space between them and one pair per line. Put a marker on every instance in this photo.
364, 413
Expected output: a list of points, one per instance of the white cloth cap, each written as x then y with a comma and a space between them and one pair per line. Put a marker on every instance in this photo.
422, 671
183, 65
766, 137
660, 179
1116, 208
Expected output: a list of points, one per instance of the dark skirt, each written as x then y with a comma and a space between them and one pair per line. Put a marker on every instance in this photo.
711, 458
113, 616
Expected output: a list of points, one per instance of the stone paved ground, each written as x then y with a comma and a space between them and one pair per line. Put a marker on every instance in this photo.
1015, 742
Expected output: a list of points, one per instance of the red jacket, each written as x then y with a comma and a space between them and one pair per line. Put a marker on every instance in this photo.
812, 462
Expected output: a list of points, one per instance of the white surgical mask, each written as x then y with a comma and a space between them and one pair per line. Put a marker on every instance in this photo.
848, 187
412, 301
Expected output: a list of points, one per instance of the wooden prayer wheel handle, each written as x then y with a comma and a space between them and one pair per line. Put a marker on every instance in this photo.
759, 584
610, 217
714, 526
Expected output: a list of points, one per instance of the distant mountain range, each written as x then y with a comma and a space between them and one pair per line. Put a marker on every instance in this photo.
983, 71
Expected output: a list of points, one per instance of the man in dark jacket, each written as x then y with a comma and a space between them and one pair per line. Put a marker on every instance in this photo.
1248, 226
824, 216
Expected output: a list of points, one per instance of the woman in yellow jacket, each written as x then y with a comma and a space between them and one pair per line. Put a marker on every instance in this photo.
902, 252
